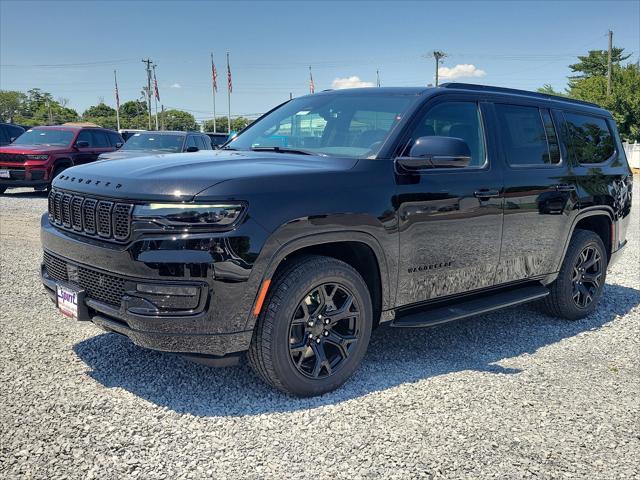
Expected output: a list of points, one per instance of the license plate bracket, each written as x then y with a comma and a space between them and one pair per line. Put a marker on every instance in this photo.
5, 174
70, 301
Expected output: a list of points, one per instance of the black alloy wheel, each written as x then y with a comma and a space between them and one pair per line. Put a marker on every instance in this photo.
324, 330
587, 274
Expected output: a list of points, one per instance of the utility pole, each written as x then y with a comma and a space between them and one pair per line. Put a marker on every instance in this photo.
229, 90
155, 93
377, 77
162, 116
438, 55
214, 89
148, 92
609, 63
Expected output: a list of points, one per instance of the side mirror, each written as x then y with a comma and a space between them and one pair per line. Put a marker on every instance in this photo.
437, 152
12, 139
119, 145
82, 144
192, 149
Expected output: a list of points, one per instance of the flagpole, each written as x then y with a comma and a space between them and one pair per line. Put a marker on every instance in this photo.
229, 87
213, 90
155, 94
115, 78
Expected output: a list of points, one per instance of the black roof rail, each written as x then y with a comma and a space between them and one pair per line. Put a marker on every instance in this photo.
515, 91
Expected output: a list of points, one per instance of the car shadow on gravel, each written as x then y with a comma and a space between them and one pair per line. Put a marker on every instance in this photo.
395, 357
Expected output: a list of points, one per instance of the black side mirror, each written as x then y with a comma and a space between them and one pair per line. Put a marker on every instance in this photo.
192, 149
12, 139
437, 152
119, 145
82, 144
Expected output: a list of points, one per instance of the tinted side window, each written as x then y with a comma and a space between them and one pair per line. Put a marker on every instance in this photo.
590, 138
204, 143
4, 135
114, 138
524, 135
15, 132
86, 136
191, 142
100, 139
454, 119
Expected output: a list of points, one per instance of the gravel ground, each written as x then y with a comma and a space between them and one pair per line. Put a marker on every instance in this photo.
514, 394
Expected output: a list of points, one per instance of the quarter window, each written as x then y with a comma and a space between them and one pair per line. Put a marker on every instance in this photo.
454, 119
528, 135
590, 138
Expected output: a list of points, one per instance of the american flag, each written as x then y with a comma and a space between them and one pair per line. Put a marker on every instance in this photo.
229, 83
214, 75
312, 86
117, 96
155, 85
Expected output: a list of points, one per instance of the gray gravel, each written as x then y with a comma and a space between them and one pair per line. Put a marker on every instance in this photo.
510, 395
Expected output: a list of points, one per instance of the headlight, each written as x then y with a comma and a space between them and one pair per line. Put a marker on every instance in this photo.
37, 157
191, 215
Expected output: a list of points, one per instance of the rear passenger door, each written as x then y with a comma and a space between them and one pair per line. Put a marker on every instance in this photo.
539, 190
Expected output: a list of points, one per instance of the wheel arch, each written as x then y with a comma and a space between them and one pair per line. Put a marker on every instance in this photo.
598, 220
358, 249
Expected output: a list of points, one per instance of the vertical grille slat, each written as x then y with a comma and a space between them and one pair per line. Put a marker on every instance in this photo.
89, 216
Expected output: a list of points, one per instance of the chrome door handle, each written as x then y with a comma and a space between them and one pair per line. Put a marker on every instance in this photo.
486, 193
565, 187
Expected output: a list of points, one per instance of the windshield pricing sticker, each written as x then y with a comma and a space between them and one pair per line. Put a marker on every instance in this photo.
67, 302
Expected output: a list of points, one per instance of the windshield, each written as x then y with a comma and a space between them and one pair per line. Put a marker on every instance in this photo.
37, 136
340, 125
154, 142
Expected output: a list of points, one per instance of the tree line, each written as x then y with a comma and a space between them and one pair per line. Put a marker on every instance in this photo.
36, 107
589, 83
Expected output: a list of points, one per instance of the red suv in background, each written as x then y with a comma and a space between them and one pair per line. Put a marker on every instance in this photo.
41, 153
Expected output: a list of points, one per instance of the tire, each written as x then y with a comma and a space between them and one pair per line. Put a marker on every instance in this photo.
579, 286
303, 360
57, 171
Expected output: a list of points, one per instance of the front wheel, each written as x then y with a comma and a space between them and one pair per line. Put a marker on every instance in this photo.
578, 288
314, 327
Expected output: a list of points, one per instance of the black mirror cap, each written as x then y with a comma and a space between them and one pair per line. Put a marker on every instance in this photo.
441, 152
119, 145
82, 144
192, 149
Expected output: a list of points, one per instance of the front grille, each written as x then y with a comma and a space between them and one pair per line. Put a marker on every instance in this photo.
12, 157
89, 216
97, 285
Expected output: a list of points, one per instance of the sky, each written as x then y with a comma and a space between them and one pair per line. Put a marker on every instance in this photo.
71, 49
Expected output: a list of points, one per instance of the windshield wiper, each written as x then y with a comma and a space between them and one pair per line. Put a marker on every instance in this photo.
286, 150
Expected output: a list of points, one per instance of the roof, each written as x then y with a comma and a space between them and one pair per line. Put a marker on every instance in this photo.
378, 91
165, 132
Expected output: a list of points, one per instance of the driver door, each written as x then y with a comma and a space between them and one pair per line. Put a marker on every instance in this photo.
450, 219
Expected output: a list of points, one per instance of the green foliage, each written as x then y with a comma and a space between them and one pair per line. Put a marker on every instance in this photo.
177, 120
595, 63
12, 103
237, 124
624, 101
548, 89
102, 115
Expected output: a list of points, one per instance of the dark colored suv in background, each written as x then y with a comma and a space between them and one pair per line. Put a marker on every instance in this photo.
9, 132
41, 153
336, 212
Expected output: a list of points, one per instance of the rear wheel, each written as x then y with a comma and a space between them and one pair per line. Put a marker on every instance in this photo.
578, 288
314, 327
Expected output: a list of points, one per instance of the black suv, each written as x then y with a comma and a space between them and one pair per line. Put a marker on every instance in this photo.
9, 132
336, 212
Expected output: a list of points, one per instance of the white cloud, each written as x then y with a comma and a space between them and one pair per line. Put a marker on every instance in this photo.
460, 71
176, 85
350, 82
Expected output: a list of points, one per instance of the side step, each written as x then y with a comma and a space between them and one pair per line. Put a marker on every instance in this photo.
427, 317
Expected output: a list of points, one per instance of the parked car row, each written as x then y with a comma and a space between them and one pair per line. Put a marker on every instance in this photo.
32, 158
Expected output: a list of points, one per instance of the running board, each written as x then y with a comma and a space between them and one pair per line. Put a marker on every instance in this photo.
428, 317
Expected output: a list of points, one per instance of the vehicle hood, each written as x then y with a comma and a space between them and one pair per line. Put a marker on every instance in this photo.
33, 149
181, 176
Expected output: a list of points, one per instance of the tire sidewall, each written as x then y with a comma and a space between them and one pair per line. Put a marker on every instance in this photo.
288, 374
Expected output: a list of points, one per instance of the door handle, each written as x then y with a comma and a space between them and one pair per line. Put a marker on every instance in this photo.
565, 187
485, 193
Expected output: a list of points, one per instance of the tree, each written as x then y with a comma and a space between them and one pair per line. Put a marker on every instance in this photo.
178, 120
548, 89
133, 108
624, 101
237, 124
12, 103
595, 63
102, 115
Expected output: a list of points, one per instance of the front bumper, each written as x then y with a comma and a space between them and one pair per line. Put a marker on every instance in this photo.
216, 326
21, 176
